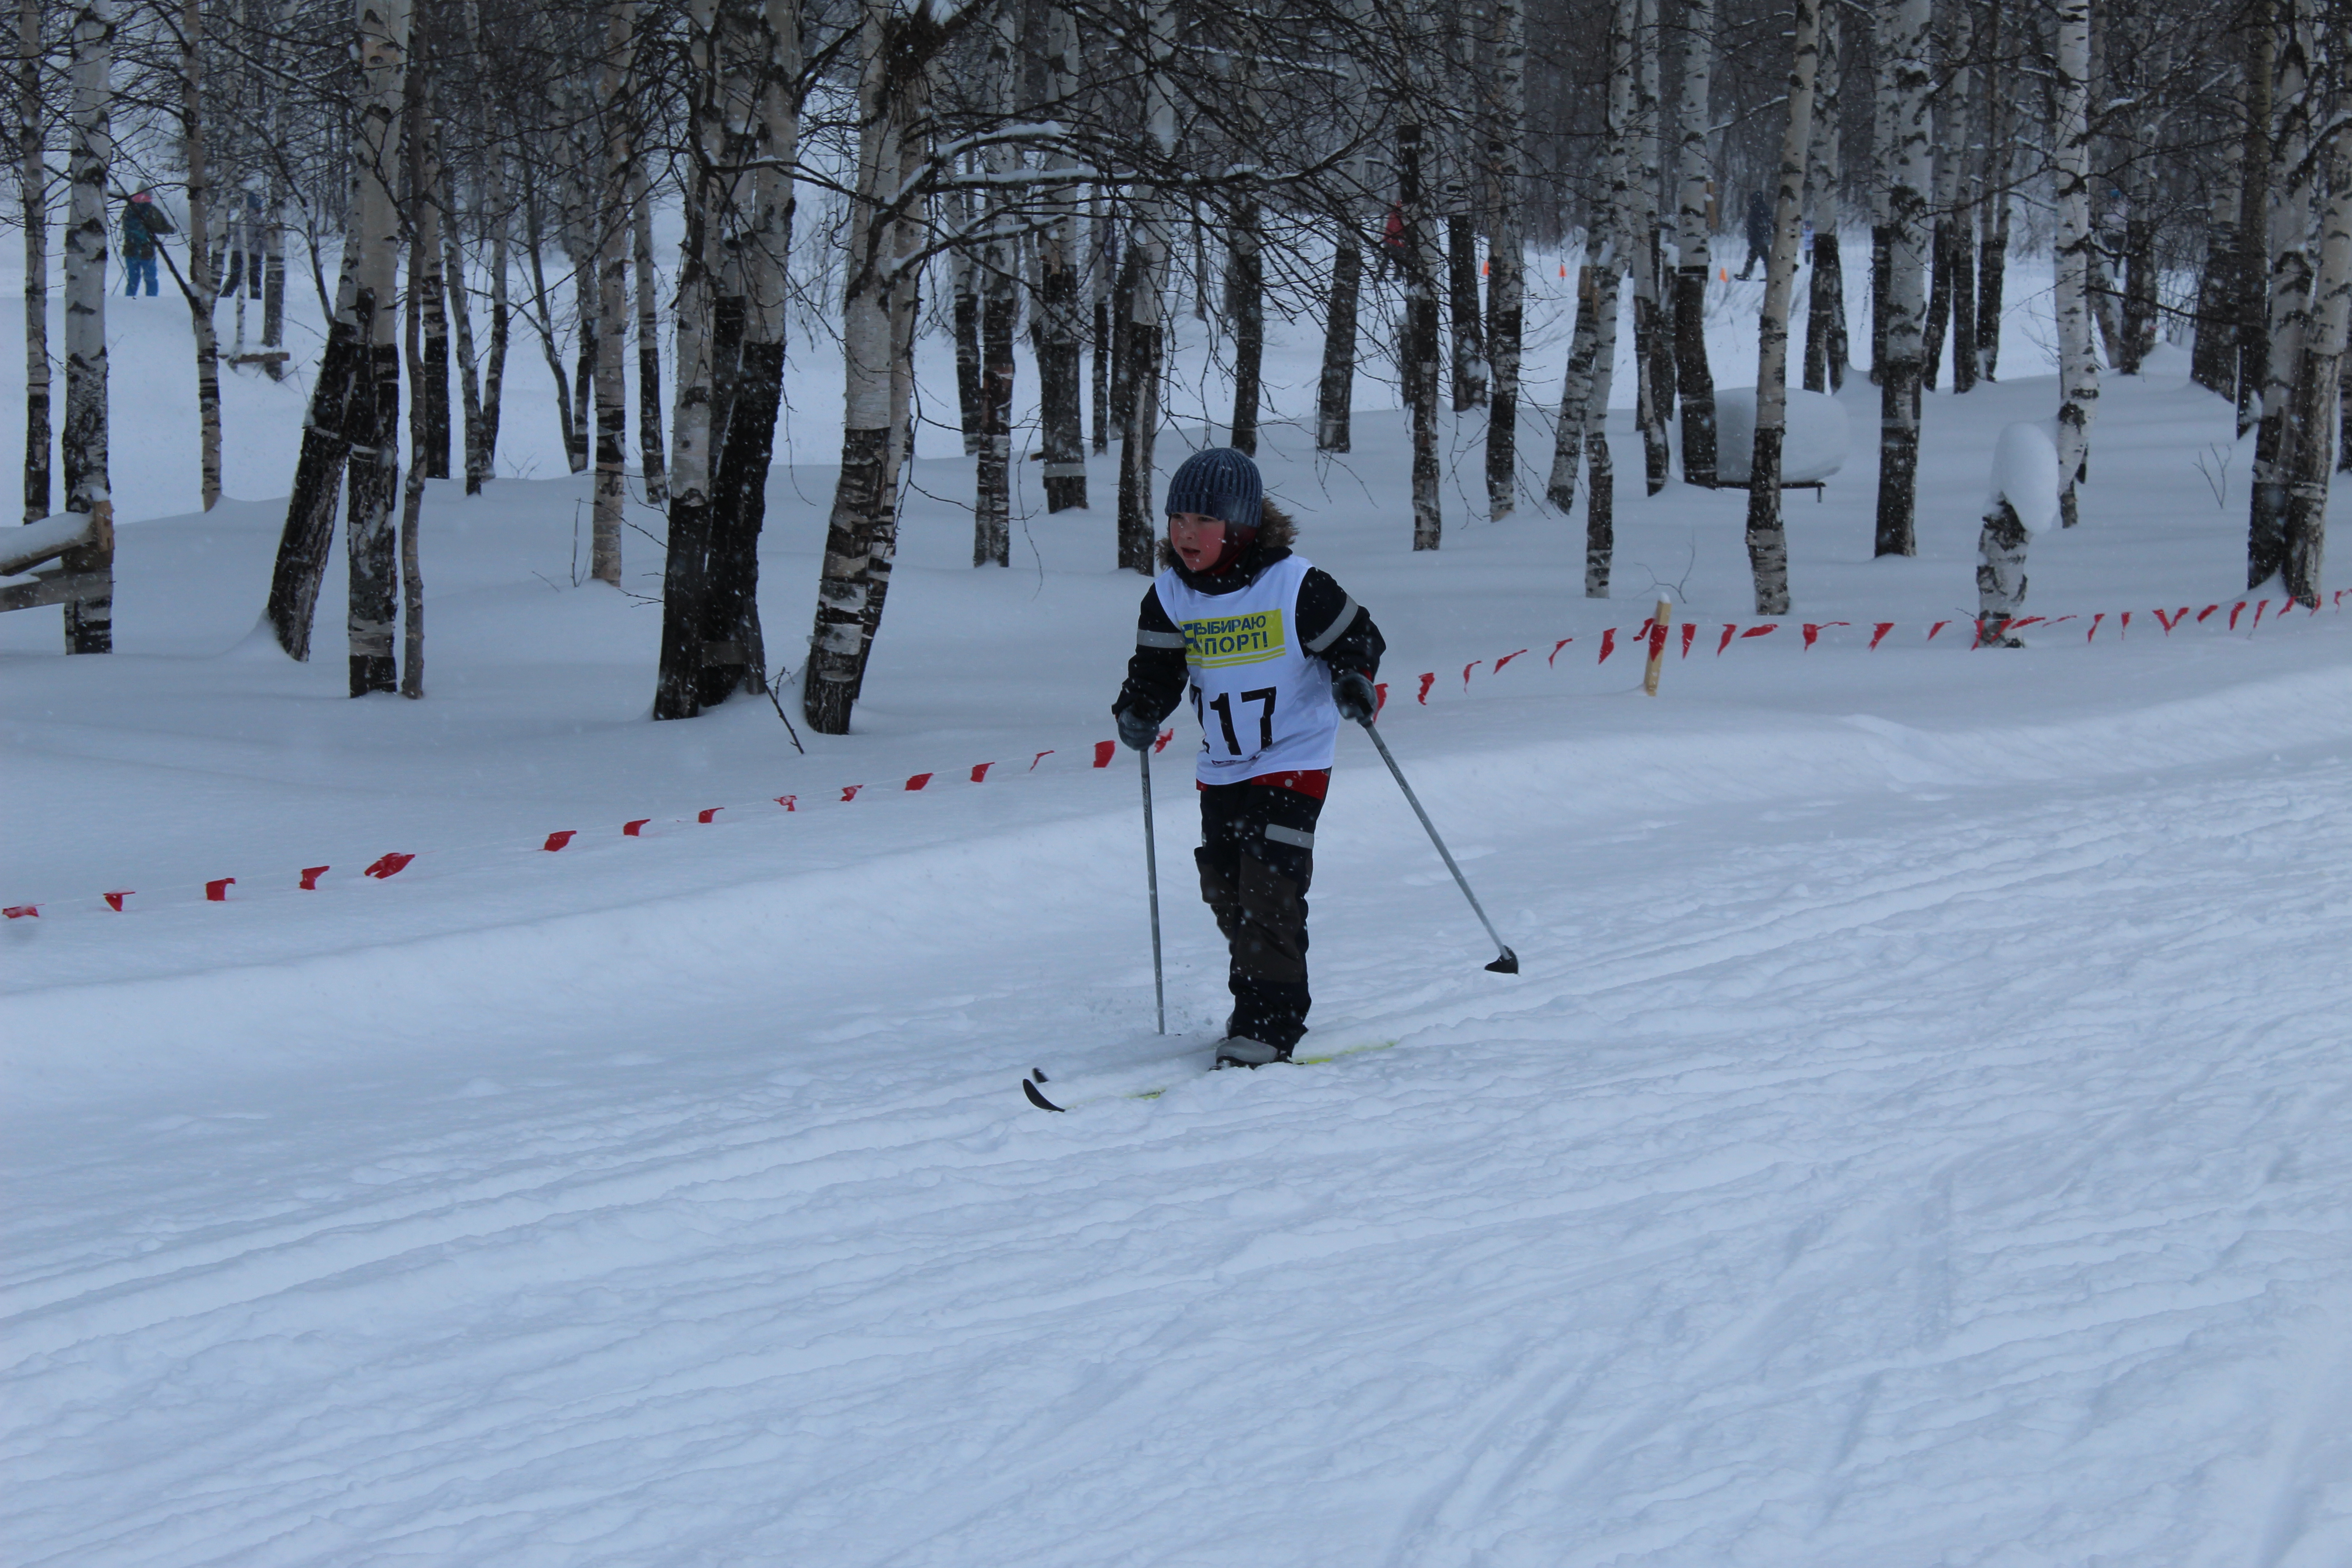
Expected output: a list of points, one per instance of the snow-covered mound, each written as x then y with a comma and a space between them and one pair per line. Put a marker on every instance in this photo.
1813, 445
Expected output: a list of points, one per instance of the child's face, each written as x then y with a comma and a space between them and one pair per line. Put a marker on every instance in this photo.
1198, 540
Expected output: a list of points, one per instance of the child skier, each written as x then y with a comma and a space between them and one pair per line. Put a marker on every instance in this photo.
1275, 655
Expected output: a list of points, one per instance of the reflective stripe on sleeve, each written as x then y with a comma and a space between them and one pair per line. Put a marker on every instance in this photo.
1339, 623
1290, 836
1158, 639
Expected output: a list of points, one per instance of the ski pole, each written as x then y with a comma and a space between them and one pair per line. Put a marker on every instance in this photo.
1507, 962
1151, 879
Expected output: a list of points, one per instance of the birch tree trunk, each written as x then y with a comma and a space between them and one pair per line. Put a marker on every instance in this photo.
1060, 393
1654, 395
2294, 180
89, 622
1993, 246
461, 322
202, 287
1469, 352
998, 283
610, 225
33, 187
2319, 384
427, 281
2213, 359
685, 565
1507, 254
1335, 394
494, 366
1768, 542
1694, 265
1246, 263
337, 421
1953, 301
733, 654
2261, 29
1420, 346
1825, 346
1149, 254
423, 248
648, 290
1885, 27
1576, 389
371, 541
1098, 285
2078, 364
1608, 272
2000, 573
966, 297
859, 541
1906, 107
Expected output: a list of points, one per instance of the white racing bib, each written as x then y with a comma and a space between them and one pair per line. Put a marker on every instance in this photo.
1263, 700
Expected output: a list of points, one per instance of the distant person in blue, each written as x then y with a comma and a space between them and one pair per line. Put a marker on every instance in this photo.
142, 224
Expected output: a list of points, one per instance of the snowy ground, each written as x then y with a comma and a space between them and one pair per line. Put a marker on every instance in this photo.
1914, 1139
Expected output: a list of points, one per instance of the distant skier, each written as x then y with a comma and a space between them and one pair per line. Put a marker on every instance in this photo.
1759, 234
1275, 655
142, 223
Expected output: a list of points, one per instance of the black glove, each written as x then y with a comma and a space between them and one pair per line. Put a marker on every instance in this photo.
1136, 732
1352, 694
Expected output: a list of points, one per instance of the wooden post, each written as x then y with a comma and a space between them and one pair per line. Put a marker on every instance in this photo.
1659, 621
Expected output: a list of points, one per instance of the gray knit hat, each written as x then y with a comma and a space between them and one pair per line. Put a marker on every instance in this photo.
1219, 482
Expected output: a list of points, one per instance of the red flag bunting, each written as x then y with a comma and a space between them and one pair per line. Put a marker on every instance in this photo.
707, 812
1039, 758
2235, 611
1104, 750
1939, 626
634, 829
1764, 630
1657, 638
849, 792
22, 911
2258, 616
1608, 645
2094, 626
918, 781
980, 771
1466, 670
1428, 679
558, 840
1380, 698
2208, 610
1160, 744
389, 864
311, 875
1730, 630
216, 891
114, 900
1690, 630
1557, 647
2124, 625
1813, 629
1506, 659
1878, 633
789, 802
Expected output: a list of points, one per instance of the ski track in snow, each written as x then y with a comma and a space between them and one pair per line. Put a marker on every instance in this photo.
1704, 1241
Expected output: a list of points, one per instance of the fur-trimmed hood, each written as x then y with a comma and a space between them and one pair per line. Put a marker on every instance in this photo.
1276, 532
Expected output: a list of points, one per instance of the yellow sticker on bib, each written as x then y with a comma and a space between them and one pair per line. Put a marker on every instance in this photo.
1234, 639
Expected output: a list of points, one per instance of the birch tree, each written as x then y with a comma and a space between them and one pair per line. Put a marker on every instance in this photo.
2281, 429
202, 285
648, 302
1419, 350
860, 536
1148, 256
2000, 121
1825, 344
1768, 543
612, 259
2318, 383
1654, 368
1952, 299
32, 189
999, 279
1061, 434
1693, 264
2078, 365
89, 621
1506, 253
1903, 35
370, 539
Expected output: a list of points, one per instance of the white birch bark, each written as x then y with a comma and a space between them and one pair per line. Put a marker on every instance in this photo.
1907, 108
90, 623
370, 541
1608, 259
998, 301
1768, 543
1507, 254
2319, 384
2078, 364
204, 277
1693, 263
2282, 435
611, 229
1652, 347
1138, 527
33, 188
685, 570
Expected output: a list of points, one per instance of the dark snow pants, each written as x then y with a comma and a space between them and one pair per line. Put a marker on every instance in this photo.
1256, 858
